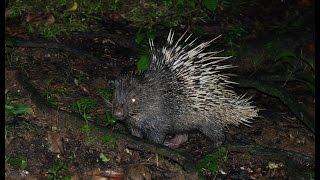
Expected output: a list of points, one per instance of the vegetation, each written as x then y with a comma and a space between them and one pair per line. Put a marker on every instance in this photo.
84, 107
109, 140
213, 161
16, 109
54, 172
238, 22
104, 158
142, 39
106, 94
62, 16
17, 162
295, 67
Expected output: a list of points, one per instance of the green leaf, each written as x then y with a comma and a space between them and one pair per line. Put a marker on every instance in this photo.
211, 4
105, 93
309, 80
23, 164
66, 178
285, 56
309, 61
8, 42
140, 37
85, 129
21, 109
109, 140
84, 105
212, 161
151, 34
109, 119
104, 158
55, 169
14, 161
143, 63
17, 109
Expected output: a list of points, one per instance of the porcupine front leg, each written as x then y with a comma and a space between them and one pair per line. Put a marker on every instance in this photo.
133, 129
135, 132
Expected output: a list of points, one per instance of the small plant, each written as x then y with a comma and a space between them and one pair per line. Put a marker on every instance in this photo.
143, 37
213, 161
233, 36
86, 129
84, 106
105, 93
48, 95
294, 66
211, 4
16, 109
109, 140
168, 13
54, 171
8, 42
17, 162
51, 100
310, 175
61, 90
143, 61
109, 119
114, 5
51, 31
69, 18
143, 51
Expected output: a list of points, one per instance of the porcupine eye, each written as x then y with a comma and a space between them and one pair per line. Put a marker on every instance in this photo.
134, 99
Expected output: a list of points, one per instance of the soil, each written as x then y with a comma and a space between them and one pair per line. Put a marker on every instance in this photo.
276, 146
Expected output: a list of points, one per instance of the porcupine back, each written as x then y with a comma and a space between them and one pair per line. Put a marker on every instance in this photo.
201, 81
183, 89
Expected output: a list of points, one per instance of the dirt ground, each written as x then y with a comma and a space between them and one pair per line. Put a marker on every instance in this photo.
55, 146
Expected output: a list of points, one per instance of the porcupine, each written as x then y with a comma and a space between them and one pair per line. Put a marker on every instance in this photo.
182, 90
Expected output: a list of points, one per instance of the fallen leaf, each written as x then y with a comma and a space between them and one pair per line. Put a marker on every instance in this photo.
98, 174
55, 142
138, 172
40, 19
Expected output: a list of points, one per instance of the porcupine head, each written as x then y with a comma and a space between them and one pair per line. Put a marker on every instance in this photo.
182, 90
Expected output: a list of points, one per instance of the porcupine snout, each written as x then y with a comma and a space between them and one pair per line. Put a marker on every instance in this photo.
119, 112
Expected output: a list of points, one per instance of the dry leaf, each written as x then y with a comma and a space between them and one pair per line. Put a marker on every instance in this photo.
55, 142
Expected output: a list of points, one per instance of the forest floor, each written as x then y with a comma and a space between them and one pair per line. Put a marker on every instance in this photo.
65, 83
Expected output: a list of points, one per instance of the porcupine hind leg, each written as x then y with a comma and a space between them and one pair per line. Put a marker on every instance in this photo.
214, 133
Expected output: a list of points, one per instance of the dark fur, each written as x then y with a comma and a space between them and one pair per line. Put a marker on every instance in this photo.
159, 108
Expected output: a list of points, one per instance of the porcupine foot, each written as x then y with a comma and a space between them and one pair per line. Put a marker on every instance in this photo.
176, 141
